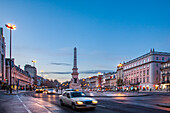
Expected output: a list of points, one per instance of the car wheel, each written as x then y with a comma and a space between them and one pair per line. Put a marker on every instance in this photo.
61, 103
73, 106
93, 108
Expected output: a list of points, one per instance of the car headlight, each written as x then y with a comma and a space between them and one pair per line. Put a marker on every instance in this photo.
79, 102
94, 101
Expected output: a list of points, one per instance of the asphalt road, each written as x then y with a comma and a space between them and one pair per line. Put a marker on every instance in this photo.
145, 104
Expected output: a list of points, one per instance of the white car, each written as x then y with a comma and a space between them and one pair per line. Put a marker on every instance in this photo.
77, 100
51, 91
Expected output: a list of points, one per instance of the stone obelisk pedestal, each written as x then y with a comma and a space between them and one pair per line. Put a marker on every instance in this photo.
74, 84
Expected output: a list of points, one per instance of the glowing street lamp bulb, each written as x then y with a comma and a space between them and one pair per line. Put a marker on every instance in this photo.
41, 71
34, 61
13, 27
99, 73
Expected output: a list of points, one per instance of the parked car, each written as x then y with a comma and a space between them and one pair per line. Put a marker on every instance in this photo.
77, 100
39, 90
51, 91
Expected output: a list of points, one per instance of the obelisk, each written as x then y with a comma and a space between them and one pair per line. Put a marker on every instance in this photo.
74, 84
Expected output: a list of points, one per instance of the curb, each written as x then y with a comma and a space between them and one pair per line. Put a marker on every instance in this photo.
163, 105
16, 93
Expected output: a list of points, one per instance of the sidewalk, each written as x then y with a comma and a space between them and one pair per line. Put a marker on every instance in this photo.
14, 92
25, 104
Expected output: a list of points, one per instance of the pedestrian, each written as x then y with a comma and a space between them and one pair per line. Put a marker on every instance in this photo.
150, 89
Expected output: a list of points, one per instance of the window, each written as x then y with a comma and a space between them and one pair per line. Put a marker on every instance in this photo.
157, 58
144, 66
157, 72
147, 79
162, 58
140, 79
168, 58
148, 65
140, 73
143, 61
148, 72
143, 72
148, 59
143, 80
157, 65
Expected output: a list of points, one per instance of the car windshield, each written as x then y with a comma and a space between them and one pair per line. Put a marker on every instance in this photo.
50, 89
77, 94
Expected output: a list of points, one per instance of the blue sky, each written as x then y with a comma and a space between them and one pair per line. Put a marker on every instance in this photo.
106, 32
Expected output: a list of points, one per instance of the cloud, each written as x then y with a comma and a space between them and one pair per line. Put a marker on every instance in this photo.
94, 71
56, 73
81, 72
63, 64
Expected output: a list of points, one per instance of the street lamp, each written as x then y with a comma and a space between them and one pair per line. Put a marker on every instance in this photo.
34, 62
11, 27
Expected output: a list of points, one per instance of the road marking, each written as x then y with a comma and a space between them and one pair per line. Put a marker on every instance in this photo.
24, 105
101, 106
44, 107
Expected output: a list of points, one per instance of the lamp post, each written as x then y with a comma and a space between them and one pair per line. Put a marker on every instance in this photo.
11, 27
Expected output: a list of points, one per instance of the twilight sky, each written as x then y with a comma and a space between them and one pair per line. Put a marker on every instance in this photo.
105, 32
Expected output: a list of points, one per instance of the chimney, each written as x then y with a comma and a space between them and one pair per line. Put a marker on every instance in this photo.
153, 50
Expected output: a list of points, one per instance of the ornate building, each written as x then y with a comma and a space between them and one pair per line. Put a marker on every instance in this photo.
19, 77
165, 75
144, 72
32, 71
74, 84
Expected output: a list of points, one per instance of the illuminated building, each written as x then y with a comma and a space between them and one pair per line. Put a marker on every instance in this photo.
144, 72
165, 75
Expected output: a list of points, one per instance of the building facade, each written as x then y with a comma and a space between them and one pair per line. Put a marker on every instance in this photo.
19, 77
165, 75
144, 72
2, 57
32, 71
120, 75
